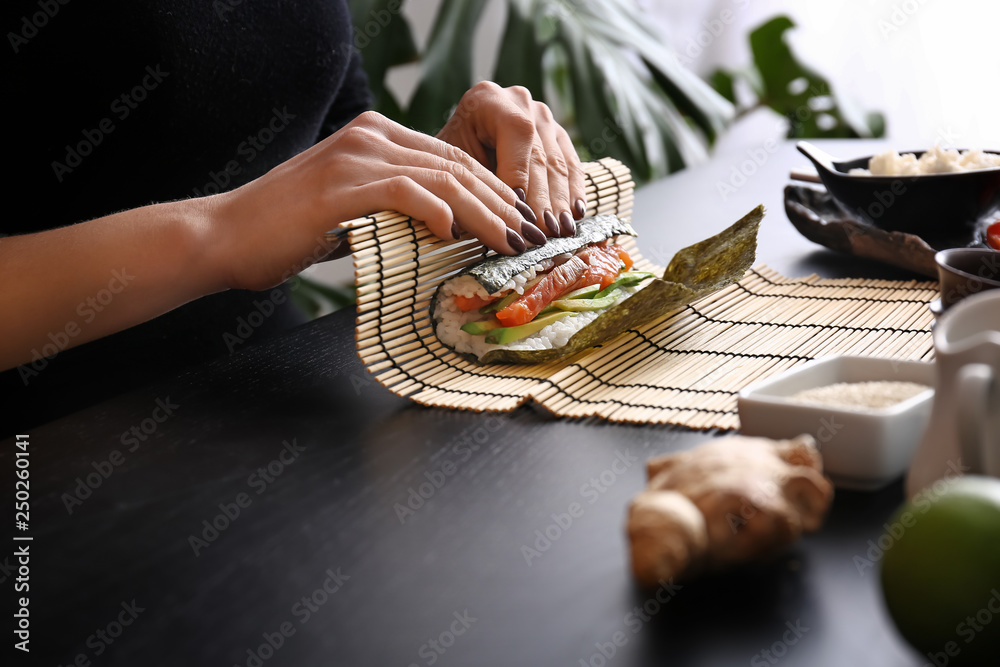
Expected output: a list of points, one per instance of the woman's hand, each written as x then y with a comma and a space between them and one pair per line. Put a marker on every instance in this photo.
266, 228
517, 138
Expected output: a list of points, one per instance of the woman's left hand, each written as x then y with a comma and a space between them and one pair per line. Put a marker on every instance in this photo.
518, 139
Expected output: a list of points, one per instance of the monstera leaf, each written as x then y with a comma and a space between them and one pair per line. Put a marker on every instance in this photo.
382, 36
780, 81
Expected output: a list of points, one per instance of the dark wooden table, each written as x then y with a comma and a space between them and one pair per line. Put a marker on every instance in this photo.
279, 507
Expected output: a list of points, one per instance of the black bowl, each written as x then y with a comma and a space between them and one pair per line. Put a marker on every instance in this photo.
939, 206
966, 271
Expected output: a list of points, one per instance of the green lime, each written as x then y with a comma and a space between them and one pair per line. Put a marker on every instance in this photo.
941, 576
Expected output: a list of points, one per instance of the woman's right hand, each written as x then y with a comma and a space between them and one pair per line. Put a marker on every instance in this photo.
262, 231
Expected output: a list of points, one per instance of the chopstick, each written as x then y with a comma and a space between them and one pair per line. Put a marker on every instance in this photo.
802, 175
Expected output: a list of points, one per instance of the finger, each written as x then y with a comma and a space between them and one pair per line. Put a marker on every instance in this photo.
557, 170
444, 205
471, 199
577, 182
418, 141
401, 193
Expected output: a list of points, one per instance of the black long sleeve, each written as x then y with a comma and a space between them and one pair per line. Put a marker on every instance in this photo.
116, 104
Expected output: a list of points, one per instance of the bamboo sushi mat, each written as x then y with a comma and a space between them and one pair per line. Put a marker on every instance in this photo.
685, 368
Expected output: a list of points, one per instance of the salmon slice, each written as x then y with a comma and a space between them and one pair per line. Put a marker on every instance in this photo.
474, 302
557, 282
624, 257
603, 266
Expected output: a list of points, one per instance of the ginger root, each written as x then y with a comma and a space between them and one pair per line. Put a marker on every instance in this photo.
727, 501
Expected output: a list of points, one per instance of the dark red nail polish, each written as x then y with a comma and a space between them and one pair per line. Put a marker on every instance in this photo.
525, 212
567, 224
580, 209
455, 231
551, 223
533, 234
520, 194
515, 242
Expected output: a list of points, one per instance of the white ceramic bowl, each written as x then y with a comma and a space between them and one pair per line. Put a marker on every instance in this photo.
861, 450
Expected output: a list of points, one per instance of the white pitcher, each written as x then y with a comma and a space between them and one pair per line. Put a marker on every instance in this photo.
963, 436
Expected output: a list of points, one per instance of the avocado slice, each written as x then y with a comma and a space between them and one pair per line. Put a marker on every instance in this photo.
580, 305
481, 328
505, 335
500, 304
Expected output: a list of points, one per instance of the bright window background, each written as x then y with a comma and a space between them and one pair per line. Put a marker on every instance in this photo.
931, 66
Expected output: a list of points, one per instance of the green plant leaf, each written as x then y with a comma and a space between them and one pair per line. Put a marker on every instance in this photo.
619, 23
519, 61
724, 83
382, 35
313, 297
648, 111
800, 94
447, 64
596, 122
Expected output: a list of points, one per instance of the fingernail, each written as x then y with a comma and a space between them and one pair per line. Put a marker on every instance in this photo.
551, 223
533, 234
567, 224
520, 194
580, 208
525, 212
455, 231
515, 242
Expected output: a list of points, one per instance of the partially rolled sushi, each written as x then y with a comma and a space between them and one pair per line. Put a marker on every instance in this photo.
572, 293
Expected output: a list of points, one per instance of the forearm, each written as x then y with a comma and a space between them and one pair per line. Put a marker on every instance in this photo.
67, 286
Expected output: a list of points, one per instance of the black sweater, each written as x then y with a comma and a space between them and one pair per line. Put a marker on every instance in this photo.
116, 104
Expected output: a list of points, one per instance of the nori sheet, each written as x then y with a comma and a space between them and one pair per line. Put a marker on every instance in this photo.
494, 272
693, 273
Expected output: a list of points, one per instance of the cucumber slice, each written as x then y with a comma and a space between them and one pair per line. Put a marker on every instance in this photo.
627, 279
584, 292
